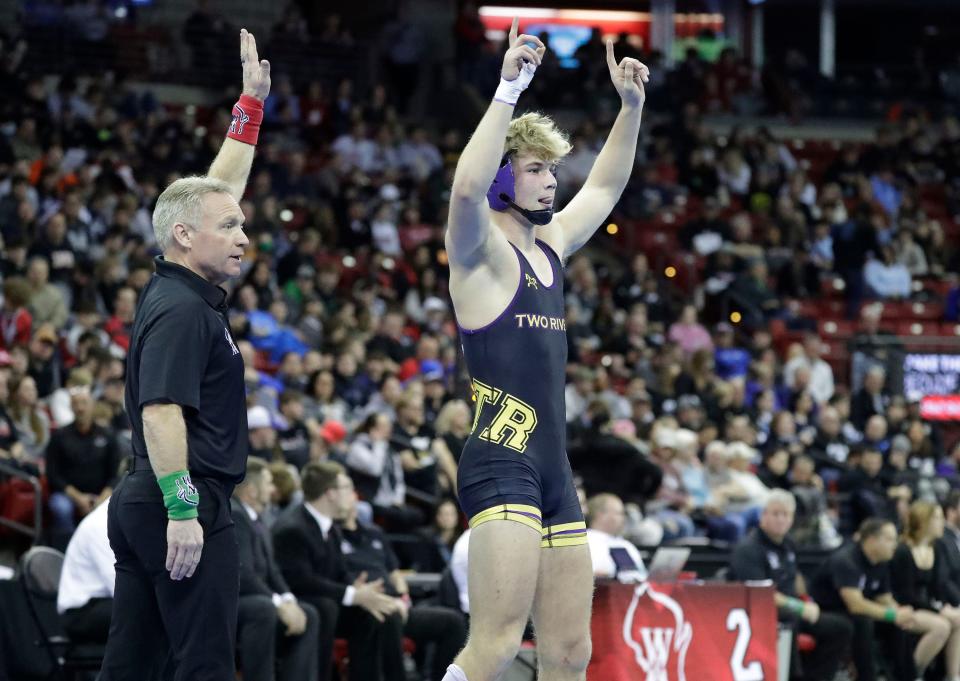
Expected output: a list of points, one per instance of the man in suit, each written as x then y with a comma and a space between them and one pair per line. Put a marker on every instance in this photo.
949, 544
309, 551
270, 618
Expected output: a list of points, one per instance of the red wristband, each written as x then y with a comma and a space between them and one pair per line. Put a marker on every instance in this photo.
247, 116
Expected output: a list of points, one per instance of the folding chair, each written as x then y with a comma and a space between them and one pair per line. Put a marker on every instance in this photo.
40, 569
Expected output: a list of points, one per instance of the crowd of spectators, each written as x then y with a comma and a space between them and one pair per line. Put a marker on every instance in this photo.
348, 336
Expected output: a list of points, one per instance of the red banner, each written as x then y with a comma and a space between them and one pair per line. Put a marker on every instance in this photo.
683, 632
940, 408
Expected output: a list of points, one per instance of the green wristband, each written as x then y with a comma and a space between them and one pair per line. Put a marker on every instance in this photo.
890, 615
796, 605
179, 495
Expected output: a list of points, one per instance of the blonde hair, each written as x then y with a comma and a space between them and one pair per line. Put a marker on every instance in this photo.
918, 521
181, 202
537, 135
444, 422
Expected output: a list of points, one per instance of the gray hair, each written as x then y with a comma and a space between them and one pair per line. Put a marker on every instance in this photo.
781, 497
181, 202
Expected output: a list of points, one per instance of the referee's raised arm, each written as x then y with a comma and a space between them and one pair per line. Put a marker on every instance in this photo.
169, 520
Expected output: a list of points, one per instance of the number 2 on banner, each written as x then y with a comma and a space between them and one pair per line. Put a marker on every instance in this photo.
737, 619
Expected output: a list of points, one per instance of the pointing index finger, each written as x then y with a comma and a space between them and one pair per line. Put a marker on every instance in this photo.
611, 61
513, 30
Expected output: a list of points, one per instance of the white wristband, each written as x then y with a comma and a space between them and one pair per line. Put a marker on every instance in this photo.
509, 91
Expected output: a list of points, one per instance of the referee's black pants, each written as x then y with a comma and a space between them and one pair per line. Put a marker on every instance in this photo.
195, 618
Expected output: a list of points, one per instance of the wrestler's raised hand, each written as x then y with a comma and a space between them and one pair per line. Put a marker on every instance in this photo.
521, 49
628, 77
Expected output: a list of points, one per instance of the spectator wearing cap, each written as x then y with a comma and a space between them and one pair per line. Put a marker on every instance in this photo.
435, 315
46, 304
688, 333
435, 393
83, 462
262, 435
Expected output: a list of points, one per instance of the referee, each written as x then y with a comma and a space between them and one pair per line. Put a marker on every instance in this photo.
169, 520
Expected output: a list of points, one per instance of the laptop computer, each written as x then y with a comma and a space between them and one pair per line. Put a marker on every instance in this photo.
628, 571
667, 563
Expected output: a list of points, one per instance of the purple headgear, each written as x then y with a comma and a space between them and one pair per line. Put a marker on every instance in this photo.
501, 192
502, 195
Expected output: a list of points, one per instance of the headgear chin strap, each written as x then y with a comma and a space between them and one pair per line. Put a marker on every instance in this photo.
502, 195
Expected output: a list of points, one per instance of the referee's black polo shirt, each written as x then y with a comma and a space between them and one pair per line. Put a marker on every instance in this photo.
757, 557
182, 352
848, 567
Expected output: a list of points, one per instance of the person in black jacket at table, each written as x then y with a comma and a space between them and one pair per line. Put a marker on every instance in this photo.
768, 553
854, 582
270, 619
309, 550
920, 580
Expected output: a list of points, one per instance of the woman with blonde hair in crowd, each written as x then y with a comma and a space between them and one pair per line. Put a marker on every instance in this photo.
453, 425
32, 422
920, 580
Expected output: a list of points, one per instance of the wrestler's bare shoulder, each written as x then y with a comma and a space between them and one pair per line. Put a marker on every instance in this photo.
482, 287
